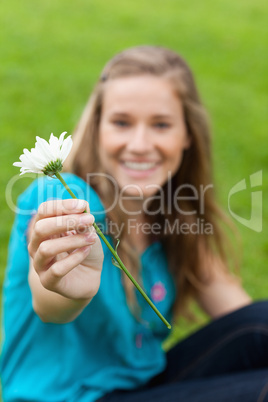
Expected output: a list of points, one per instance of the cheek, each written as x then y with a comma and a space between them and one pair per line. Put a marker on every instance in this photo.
110, 143
173, 145
109, 152
172, 150
173, 154
106, 144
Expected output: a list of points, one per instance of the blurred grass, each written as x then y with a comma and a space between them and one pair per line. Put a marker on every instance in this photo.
52, 53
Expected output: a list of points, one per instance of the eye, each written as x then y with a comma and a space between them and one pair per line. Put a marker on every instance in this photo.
120, 123
161, 125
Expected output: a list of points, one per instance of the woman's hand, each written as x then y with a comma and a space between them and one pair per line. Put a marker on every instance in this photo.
67, 259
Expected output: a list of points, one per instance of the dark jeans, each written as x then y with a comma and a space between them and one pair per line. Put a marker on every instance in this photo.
225, 361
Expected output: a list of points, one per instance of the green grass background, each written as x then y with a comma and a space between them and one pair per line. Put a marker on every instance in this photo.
52, 53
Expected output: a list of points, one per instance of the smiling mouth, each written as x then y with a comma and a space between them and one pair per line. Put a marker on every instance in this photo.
140, 165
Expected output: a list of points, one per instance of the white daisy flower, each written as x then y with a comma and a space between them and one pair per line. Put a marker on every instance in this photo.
45, 157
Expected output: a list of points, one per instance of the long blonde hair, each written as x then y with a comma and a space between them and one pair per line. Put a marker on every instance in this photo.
185, 252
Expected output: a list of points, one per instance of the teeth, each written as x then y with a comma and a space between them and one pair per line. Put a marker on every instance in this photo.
140, 165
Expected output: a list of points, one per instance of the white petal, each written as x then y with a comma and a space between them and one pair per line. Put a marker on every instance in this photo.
25, 152
39, 158
43, 147
26, 170
61, 139
54, 146
26, 162
66, 148
30, 161
26, 156
30, 155
18, 164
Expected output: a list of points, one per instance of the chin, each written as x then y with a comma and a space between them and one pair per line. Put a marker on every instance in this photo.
138, 190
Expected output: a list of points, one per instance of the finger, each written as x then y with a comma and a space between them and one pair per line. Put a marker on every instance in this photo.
57, 225
48, 249
50, 277
61, 207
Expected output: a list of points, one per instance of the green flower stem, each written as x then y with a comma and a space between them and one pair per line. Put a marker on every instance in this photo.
117, 258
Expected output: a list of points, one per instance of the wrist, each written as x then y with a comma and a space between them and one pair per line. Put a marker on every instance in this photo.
59, 309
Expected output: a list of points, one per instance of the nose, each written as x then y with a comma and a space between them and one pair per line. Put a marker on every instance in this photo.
140, 140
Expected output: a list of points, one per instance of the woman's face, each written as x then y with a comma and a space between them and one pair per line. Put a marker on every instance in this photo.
142, 133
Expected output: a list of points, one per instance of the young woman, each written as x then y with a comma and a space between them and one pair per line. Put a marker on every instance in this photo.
75, 329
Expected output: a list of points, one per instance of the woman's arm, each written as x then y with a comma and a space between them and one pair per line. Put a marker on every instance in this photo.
222, 294
66, 261
51, 306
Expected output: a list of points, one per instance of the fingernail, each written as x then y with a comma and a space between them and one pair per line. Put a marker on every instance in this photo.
86, 249
87, 219
90, 237
79, 204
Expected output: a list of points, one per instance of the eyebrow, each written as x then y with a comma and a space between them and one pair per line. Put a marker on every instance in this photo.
162, 116
120, 114
155, 116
